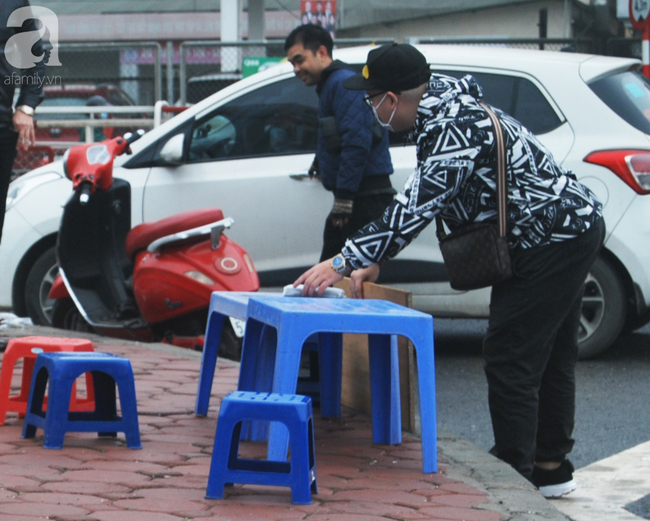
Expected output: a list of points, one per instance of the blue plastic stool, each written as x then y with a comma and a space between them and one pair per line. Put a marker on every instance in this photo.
296, 319
62, 369
235, 304
226, 467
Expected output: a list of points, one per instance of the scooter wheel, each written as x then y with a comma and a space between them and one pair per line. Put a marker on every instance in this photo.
37, 288
65, 315
231, 345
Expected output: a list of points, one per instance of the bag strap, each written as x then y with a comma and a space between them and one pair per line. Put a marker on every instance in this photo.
502, 193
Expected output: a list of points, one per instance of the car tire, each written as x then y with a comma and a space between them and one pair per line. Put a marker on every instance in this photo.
37, 288
604, 310
65, 315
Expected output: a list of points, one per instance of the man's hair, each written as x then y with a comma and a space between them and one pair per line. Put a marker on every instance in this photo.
414, 94
311, 37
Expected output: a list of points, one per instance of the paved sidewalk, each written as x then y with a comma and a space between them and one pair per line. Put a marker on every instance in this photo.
98, 479
616, 487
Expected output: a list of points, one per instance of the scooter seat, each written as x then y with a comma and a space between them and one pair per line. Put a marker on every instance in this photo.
144, 234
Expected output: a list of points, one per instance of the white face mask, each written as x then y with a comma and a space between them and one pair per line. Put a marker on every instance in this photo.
384, 125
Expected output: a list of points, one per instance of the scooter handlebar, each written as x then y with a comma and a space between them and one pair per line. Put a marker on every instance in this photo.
132, 137
85, 189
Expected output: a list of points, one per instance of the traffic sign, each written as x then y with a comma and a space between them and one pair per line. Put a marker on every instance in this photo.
639, 12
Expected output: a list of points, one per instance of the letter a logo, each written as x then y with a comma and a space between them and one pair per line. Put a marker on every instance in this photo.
19, 47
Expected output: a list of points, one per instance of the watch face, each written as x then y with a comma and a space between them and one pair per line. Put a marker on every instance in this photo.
338, 262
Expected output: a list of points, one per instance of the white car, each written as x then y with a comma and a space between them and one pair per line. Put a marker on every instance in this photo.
247, 149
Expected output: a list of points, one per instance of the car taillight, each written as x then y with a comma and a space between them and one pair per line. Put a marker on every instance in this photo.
632, 166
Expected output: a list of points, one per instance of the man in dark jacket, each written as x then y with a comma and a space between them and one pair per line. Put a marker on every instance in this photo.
555, 230
352, 152
17, 124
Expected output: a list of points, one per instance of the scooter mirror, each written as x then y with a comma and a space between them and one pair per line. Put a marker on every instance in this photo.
172, 152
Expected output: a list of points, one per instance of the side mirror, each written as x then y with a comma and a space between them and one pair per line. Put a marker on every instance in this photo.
172, 152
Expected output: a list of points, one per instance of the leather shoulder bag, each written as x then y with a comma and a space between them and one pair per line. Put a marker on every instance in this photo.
477, 255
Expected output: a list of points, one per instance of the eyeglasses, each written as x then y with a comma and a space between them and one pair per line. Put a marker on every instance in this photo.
368, 98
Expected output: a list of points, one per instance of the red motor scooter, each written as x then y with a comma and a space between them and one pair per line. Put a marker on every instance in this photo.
149, 283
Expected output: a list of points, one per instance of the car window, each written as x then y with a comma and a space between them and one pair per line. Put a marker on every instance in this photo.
280, 118
214, 138
516, 96
627, 94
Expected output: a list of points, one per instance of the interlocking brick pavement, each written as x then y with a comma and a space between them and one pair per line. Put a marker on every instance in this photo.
100, 479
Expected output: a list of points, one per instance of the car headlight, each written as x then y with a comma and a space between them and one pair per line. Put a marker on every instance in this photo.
25, 184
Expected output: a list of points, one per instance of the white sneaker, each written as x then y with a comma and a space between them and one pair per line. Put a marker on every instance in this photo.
555, 483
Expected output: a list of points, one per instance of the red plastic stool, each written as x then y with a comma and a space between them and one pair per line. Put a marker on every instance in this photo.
28, 348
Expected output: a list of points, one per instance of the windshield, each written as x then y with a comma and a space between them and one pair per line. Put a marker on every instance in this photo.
627, 94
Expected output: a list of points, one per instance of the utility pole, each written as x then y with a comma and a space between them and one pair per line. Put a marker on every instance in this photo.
230, 22
256, 29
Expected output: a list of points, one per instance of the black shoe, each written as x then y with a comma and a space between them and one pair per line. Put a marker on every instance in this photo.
555, 483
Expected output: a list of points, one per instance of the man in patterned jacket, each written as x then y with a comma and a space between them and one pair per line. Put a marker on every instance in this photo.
555, 230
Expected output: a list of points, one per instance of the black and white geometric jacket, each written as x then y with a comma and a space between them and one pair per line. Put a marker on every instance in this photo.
456, 177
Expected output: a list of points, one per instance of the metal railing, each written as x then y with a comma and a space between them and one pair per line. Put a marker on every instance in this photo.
46, 151
155, 117
92, 121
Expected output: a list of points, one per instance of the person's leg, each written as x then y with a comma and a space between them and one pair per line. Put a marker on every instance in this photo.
333, 241
557, 392
8, 139
365, 210
526, 316
515, 348
552, 472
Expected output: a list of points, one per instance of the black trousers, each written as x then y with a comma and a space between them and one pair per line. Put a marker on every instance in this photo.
531, 349
8, 140
365, 210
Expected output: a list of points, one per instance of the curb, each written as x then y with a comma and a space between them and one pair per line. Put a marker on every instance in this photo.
508, 493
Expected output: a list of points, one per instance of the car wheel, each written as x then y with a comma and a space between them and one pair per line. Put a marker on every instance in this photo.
604, 308
65, 315
37, 288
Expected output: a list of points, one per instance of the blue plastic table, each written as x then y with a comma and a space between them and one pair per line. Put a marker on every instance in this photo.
223, 304
296, 319
235, 304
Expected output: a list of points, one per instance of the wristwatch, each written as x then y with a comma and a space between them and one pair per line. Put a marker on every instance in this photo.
338, 264
26, 109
